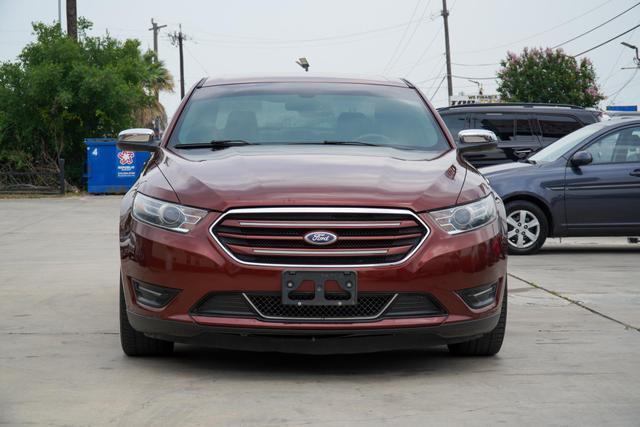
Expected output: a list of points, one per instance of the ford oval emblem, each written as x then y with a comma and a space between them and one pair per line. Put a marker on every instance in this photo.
320, 238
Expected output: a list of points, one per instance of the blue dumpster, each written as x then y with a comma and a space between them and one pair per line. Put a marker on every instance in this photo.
110, 170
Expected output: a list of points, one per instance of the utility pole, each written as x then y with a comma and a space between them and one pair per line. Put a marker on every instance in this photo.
60, 14
72, 20
445, 16
178, 38
156, 29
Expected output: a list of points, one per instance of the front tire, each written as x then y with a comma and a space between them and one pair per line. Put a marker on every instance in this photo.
488, 344
527, 227
136, 343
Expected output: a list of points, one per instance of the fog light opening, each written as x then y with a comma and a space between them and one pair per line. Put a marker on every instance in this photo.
153, 295
480, 297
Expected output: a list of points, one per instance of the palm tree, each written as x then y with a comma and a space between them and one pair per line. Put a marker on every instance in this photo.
157, 78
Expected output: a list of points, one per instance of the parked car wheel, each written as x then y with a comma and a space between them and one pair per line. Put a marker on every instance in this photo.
527, 227
488, 344
135, 343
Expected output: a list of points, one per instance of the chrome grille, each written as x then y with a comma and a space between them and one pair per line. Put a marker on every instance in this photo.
275, 236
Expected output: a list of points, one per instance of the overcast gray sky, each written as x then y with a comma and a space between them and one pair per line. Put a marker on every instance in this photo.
394, 37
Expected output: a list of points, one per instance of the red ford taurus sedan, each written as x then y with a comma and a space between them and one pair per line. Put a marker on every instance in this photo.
310, 215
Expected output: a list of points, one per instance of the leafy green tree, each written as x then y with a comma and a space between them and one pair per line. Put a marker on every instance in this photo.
548, 76
60, 91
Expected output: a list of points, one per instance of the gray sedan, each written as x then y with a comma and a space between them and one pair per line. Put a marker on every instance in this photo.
585, 184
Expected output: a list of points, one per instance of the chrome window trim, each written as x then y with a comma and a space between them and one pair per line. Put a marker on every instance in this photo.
328, 319
321, 210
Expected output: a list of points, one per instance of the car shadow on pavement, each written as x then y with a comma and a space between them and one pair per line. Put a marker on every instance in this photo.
241, 363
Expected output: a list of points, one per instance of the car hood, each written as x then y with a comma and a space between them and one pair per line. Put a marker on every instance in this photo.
313, 176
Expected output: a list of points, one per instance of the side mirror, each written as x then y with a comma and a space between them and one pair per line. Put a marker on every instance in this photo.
137, 140
581, 158
476, 140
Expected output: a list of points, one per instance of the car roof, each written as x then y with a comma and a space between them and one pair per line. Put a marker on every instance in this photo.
616, 113
621, 121
516, 107
304, 78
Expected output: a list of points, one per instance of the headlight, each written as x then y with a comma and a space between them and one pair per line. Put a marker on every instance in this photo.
467, 217
166, 215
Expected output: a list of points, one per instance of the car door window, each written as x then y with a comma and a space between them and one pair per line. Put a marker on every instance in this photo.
555, 127
503, 125
455, 123
523, 130
622, 146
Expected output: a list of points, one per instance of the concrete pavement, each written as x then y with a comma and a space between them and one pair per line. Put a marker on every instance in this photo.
61, 363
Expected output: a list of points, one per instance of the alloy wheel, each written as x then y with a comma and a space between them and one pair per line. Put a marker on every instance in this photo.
523, 229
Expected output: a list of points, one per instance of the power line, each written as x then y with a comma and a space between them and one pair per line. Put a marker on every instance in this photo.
427, 47
432, 78
265, 47
415, 29
404, 33
263, 41
424, 52
596, 27
439, 75
562, 24
196, 59
438, 88
615, 64
493, 64
605, 42
473, 78
615, 94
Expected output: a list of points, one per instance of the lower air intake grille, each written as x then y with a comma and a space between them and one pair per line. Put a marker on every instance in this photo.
370, 306
414, 305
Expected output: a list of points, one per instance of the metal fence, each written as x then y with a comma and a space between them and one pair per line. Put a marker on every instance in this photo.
37, 181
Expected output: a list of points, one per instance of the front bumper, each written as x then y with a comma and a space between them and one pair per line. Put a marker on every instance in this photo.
196, 265
313, 341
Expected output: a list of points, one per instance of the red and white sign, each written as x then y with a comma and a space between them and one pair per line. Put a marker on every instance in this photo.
126, 157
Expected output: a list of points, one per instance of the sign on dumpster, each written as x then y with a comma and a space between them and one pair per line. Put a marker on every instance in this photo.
110, 170
126, 166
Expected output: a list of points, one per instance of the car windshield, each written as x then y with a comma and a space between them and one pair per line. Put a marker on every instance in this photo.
556, 150
295, 113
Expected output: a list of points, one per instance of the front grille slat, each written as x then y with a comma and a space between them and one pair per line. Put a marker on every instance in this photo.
242, 223
346, 243
315, 251
276, 236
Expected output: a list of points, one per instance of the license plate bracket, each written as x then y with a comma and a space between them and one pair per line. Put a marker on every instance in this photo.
347, 282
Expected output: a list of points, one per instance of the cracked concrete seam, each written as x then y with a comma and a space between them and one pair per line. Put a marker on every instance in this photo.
575, 302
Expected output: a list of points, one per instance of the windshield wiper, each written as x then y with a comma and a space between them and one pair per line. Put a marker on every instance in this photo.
216, 143
329, 142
